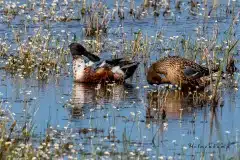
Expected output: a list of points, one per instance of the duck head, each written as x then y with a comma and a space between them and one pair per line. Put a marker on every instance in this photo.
153, 77
77, 50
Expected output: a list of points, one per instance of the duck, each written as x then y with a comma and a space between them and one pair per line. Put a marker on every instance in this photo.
179, 71
97, 70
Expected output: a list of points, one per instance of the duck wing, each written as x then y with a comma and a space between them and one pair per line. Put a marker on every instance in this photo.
108, 63
114, 62
126, 68
195, 72
120, 66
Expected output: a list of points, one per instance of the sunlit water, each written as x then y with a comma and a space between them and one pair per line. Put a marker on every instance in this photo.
122, 116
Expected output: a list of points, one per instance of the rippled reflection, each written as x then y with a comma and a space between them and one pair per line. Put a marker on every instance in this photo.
91, 96
173, 104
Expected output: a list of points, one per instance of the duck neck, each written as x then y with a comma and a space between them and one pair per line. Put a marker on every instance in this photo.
78, 68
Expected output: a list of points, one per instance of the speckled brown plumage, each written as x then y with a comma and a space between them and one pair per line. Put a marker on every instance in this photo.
178, 71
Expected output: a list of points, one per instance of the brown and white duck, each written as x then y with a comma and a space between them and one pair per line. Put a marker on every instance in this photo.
116, 70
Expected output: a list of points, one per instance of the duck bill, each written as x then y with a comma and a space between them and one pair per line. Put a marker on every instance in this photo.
91, 56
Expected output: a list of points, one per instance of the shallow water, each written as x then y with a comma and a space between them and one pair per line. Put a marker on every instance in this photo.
122, 119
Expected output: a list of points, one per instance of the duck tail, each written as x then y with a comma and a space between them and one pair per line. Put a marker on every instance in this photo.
129, 69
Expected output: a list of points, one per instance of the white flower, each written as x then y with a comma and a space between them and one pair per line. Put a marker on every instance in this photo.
184, 147
106, 153
161, 157
149, 149
132, 114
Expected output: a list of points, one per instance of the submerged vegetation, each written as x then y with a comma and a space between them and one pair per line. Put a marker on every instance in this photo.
34, 39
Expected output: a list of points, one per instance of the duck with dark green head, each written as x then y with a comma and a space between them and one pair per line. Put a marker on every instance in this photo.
116, 70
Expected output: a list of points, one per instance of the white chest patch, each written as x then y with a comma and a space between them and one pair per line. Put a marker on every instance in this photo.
78, 69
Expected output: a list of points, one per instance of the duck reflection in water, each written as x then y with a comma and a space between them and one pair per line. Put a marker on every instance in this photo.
90, 96
173, 104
